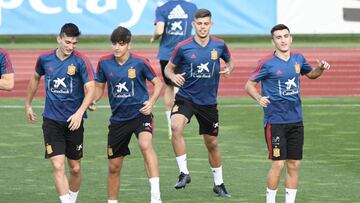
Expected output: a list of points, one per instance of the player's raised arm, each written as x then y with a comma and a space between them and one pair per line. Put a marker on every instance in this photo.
228, 69
322, 65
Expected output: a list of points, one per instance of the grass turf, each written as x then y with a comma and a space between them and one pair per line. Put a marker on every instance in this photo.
329, 171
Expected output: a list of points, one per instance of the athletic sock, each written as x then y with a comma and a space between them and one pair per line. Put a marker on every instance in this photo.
112, 201
218, 177
73, 196
270, 195
168, 114
155, 188
290, 195
182, 163
65, 198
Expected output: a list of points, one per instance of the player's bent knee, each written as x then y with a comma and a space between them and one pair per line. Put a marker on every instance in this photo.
75, 170
212, 145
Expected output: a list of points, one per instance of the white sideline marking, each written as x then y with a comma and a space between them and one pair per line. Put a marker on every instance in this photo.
221, 105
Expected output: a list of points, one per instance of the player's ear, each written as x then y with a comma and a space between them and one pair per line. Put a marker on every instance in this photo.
58, 39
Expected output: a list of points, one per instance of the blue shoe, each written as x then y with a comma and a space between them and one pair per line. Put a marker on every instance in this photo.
220, 190
183, 180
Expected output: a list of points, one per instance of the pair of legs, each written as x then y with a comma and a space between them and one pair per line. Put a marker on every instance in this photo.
291, 180
115, 165
285, 145
178, 122
60, 143
292, 174
169, 95
62, 183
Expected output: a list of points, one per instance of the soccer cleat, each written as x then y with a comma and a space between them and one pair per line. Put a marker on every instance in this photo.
183, 180
220, 190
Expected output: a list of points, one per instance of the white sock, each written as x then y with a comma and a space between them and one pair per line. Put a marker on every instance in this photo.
270, 195
290, 195
182, 163
112, 201
155, 188
218, 177
73, 196
168, 114
65, 198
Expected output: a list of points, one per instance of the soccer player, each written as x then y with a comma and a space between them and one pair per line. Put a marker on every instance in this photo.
6, 71
70, 89
199, 57
173, 24
125, 74
279, 74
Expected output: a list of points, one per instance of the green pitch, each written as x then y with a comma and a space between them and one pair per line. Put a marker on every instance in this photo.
329, 173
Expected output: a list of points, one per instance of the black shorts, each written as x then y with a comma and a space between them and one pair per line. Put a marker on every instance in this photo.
167, 81
285, 141
58, 139
206, 115
120, 134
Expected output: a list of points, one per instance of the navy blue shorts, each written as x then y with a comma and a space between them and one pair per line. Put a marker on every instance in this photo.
119, 135
167, 81
285, 141
58, 139
206, 115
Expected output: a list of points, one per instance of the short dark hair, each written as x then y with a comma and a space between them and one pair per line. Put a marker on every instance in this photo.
279, 27
70, 30
120, 35
202, 13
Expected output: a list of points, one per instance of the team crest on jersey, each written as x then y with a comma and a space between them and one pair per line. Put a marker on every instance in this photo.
214, 54
132, 73
297, 68
49, 149
110, 151
71, 70
276, 152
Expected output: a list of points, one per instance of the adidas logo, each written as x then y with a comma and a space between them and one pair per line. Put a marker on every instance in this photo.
177, 12
279, 72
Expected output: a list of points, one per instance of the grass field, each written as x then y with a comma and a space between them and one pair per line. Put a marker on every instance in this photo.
330, 169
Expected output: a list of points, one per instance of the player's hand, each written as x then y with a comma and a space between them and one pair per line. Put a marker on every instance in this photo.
92, 106
322, 64
178, 79
225, 72
31, 116
263, 101
147, 108
75, 121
